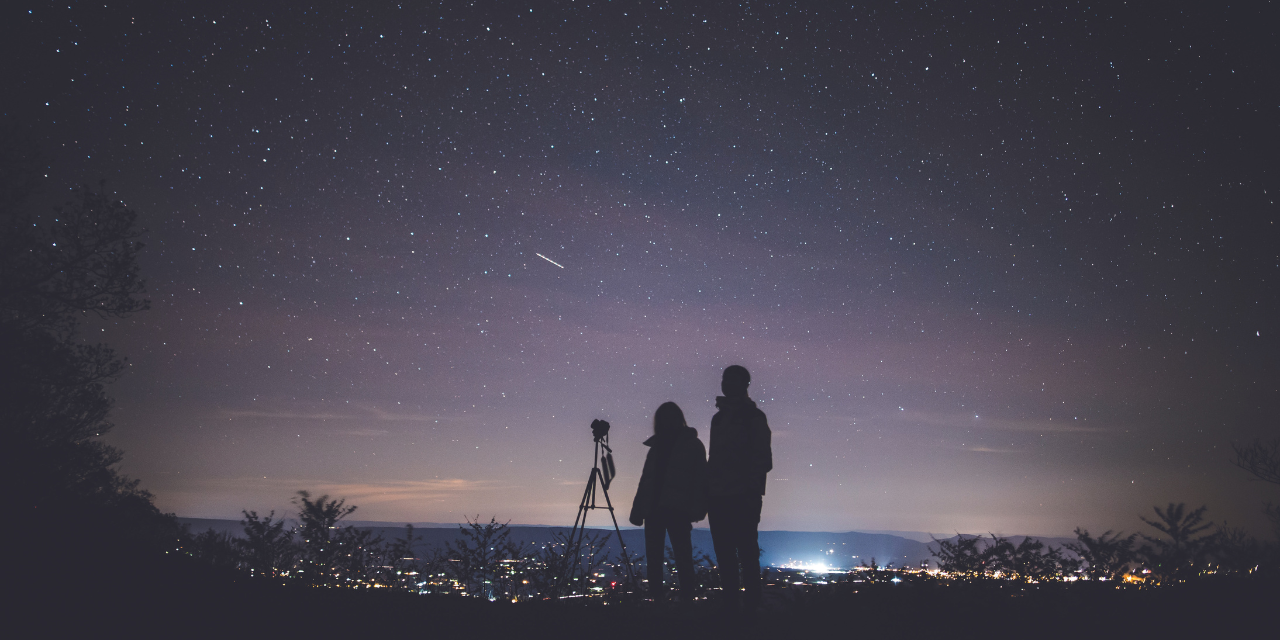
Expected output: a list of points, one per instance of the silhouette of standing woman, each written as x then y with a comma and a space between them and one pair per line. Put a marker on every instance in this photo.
672, 496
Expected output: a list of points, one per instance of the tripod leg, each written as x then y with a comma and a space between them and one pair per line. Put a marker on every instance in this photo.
573, 545
586, 502
621, 543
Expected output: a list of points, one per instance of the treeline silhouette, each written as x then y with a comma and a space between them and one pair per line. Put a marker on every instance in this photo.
1181, 548
319, 552
482, 561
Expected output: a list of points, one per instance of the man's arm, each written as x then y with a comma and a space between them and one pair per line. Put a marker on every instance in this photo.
762, 447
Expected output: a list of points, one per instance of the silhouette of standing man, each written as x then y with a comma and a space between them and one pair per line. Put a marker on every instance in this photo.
740, 458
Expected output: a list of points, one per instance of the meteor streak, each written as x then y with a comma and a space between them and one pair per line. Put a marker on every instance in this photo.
549, 260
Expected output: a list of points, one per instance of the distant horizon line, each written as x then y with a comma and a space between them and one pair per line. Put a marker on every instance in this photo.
918, 536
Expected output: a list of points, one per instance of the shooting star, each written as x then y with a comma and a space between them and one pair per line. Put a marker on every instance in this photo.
549, 260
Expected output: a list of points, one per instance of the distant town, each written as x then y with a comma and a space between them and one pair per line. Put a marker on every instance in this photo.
496, 561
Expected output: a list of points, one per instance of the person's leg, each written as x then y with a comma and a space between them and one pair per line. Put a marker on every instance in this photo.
719, 518
749, 550
654, 535
682, 547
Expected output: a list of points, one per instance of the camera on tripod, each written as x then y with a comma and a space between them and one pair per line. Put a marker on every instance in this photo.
602, 473
604, 454
599, 429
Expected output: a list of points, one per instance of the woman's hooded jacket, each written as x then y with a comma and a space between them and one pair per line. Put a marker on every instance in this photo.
674, 480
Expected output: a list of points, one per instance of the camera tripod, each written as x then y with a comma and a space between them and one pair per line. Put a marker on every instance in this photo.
602, 472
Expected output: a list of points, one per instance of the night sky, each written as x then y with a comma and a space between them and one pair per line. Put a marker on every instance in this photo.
992, 269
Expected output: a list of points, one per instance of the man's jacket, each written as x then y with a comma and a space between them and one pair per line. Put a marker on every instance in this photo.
674, 480
740, 448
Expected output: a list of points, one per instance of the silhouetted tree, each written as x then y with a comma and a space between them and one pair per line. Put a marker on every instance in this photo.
629, 568
216, 549
400, 563
361, 558
545, 566
81, 259
476, 558
56, 269
435, 572
962, 557
1235, 551
320, 547
267, 547
592, 555
997, 557
1106, 557
329, 554
1261, 458
1181, 553
1026, 561
1034, 561
1029, 560
1067, 566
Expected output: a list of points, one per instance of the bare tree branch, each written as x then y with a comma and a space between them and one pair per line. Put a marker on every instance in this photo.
1260, 458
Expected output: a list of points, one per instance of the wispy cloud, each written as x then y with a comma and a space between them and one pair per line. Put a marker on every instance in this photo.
359, 413
971, 421
360, 493
365, 432
980, 449
287, 415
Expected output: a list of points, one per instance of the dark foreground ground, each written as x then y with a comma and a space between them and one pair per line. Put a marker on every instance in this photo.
179, 599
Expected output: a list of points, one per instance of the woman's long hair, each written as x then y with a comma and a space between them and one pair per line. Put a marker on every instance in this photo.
668, 419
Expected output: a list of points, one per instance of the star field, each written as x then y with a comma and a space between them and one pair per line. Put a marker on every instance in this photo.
992, 269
